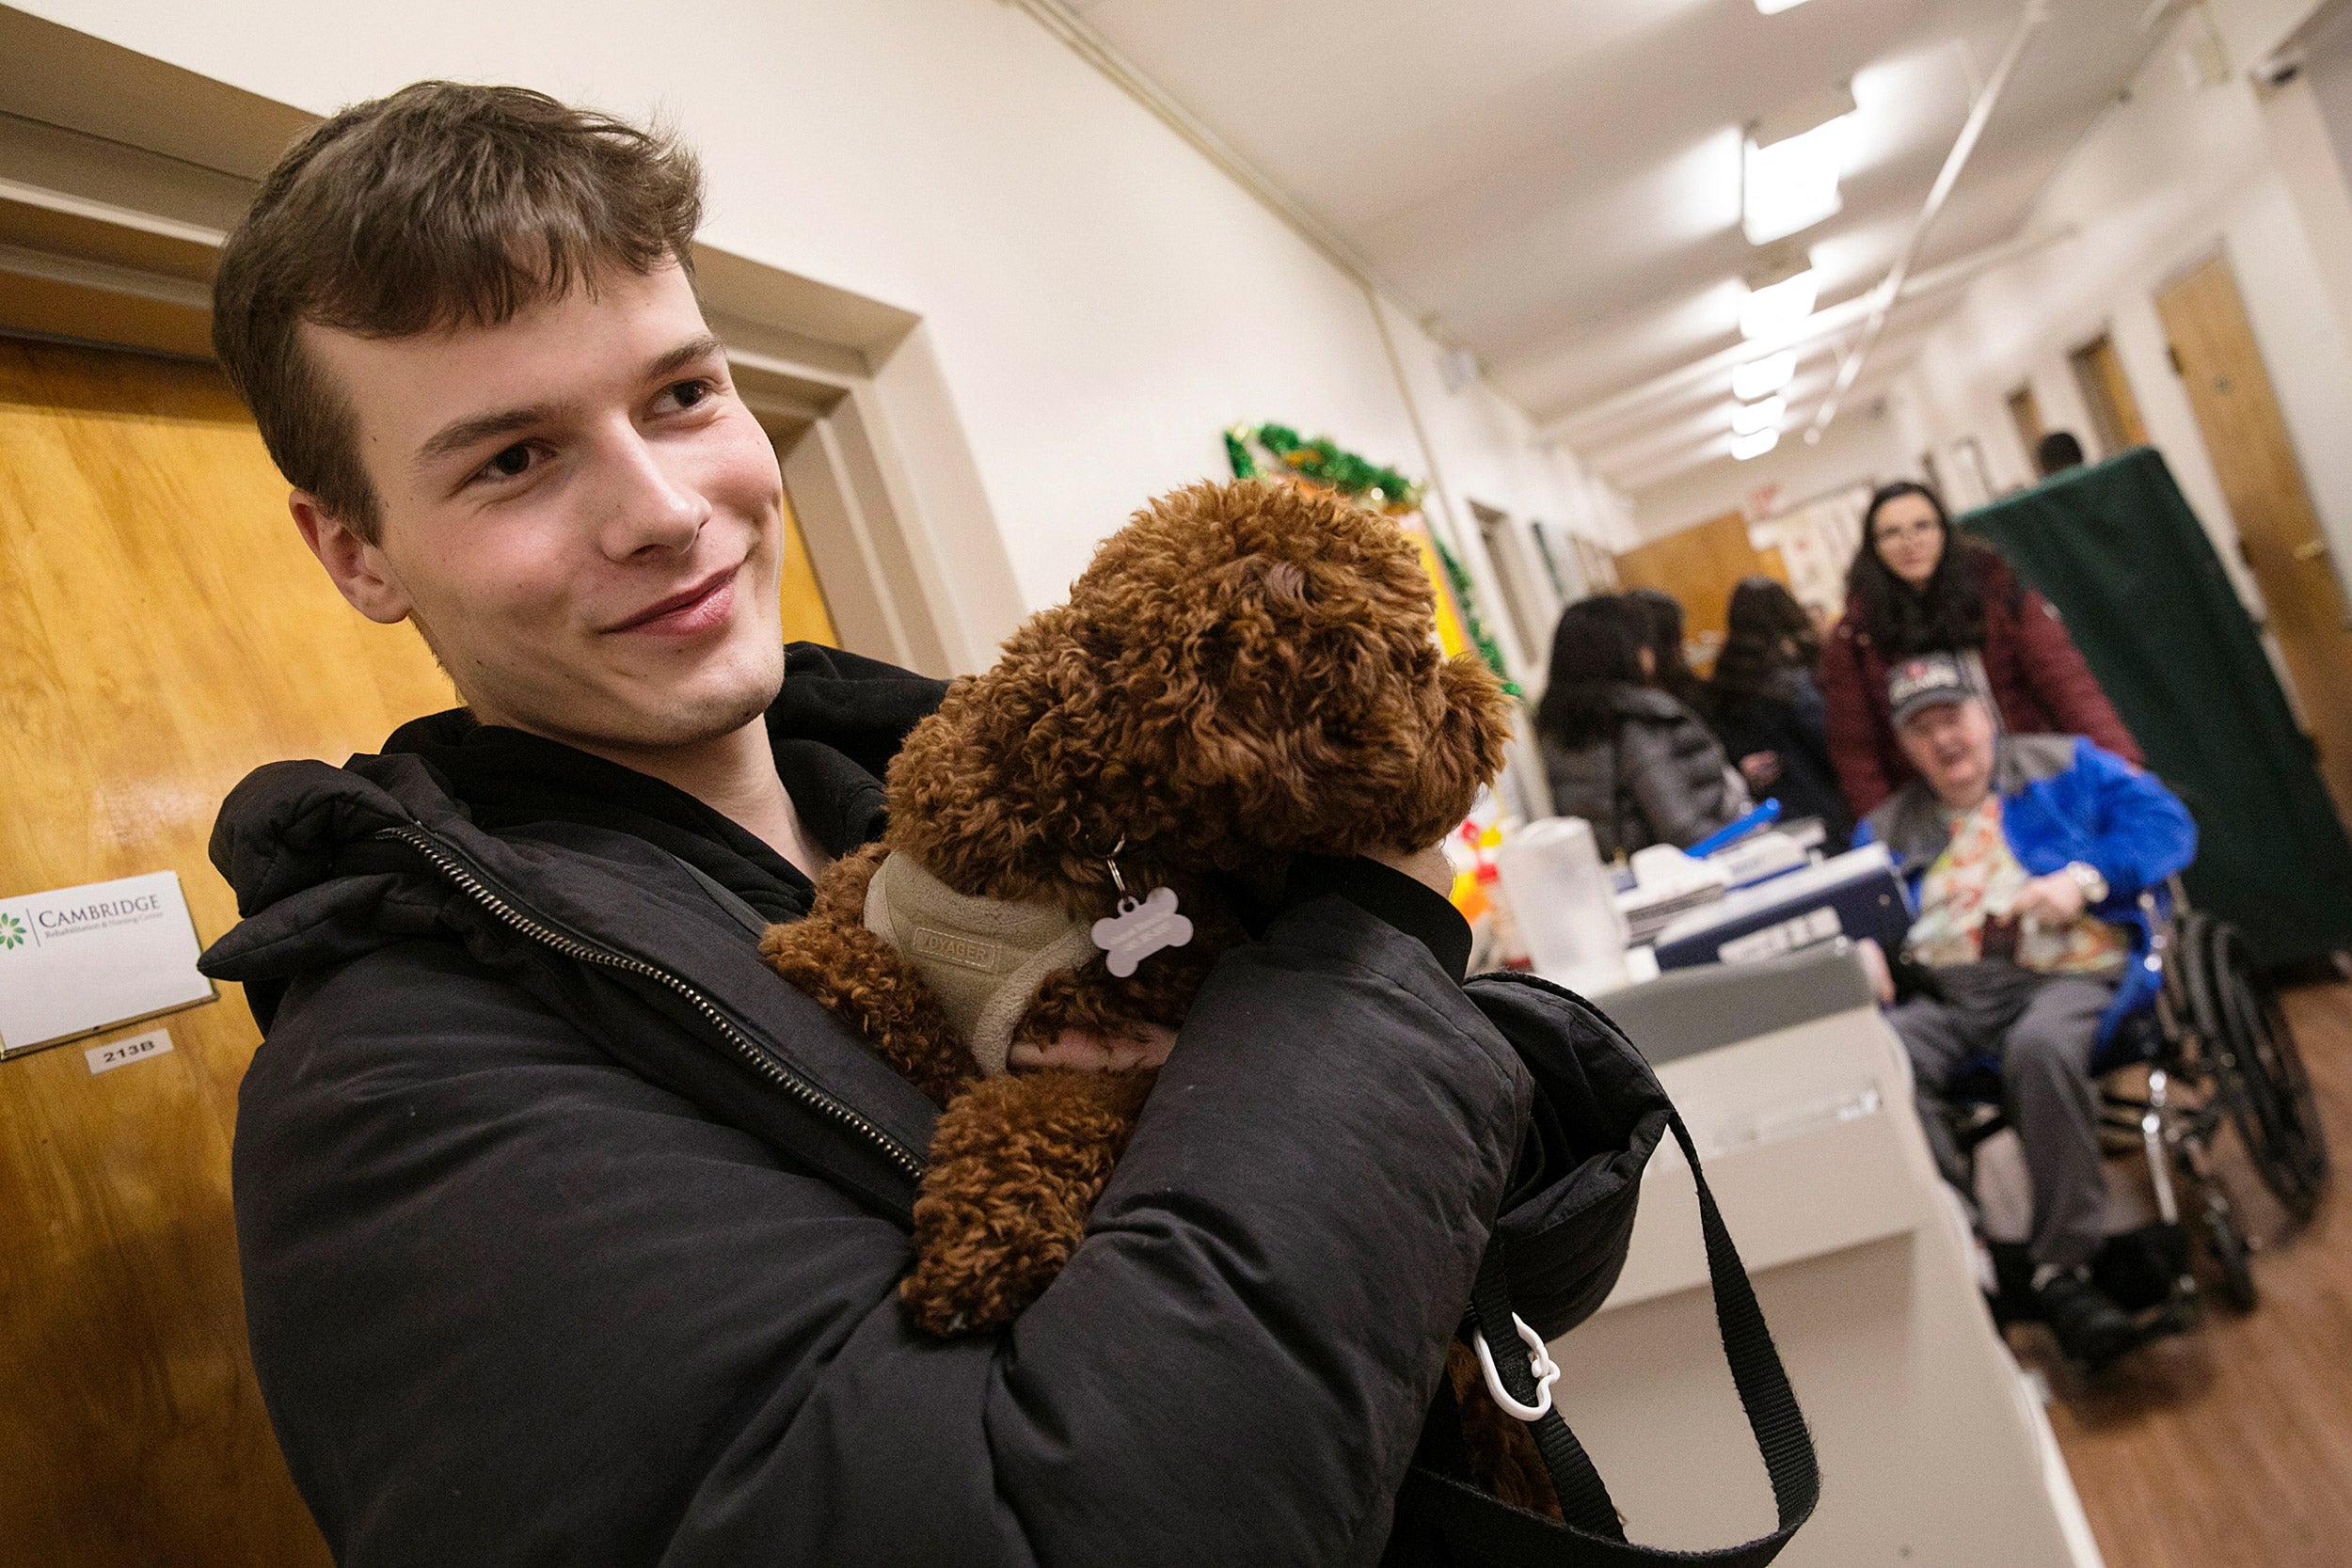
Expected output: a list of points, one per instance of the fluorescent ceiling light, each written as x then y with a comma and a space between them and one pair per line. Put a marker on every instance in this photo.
1791, 184
1777, 310
1762, 377
1757, 445
1800, 114
1749, 417
1774, 8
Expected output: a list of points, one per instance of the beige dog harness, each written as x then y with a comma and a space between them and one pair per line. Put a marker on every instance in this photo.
982, 958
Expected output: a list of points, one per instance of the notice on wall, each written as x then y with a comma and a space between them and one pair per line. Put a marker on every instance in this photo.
79, 959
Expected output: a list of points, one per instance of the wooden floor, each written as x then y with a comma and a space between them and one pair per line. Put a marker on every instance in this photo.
2232, 1444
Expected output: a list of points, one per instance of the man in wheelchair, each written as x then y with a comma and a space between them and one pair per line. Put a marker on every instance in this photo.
2026, 856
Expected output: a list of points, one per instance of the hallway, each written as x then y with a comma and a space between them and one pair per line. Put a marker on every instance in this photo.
2232, 1444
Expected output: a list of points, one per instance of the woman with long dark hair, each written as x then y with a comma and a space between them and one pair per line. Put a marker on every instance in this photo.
1916, 587
1630, 759
1768, 711
1670, 671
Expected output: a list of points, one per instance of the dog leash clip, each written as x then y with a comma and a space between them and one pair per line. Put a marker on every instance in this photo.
1539, 1364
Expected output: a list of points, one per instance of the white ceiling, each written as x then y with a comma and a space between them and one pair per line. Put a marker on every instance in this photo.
1555, 184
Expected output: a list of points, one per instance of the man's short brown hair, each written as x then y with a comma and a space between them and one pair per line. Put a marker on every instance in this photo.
440, 206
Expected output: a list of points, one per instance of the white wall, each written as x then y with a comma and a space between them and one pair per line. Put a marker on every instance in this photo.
1866, 443
2251, 29
1103, 301
1484, 444
1484, 452
2310, 121
2179, 171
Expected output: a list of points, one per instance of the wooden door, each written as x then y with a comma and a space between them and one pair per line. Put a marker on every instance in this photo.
2025, 412
1700, 565
162, 632
2213, 351
806, 617
2107, 393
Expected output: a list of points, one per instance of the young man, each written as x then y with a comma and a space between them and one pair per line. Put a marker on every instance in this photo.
2026, 856
570, 1233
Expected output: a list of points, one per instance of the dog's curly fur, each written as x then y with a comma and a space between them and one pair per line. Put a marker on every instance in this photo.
1013, 1174
1244, 673
1509, 1464
851, 971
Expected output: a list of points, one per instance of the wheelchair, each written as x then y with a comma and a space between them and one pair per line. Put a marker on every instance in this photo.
2217, 1051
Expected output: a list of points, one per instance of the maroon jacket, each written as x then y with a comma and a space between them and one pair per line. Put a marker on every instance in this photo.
2040, 683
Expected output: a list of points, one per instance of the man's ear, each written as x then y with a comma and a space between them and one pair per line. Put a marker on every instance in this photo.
358, 568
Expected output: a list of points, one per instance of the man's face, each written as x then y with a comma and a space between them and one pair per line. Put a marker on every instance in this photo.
1951, 746
577, 512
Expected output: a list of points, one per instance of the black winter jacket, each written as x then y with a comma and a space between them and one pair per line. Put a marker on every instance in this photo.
570, 1233
1788, 719
1659, 777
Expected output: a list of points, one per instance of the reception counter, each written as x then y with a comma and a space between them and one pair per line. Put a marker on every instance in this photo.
1933, 1449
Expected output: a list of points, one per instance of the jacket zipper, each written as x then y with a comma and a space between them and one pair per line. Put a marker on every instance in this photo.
462, 877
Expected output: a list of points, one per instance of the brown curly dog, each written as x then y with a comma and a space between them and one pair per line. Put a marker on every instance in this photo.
1244, 673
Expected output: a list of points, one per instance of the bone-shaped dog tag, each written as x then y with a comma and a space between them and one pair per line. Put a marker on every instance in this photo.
1139, 931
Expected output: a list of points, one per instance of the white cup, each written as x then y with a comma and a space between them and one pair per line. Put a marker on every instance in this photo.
1564, 903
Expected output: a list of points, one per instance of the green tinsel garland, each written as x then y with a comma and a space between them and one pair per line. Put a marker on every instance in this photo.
1237, 453
1488, 649
1322, 462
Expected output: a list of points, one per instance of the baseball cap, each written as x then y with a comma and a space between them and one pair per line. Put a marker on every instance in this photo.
1924, 681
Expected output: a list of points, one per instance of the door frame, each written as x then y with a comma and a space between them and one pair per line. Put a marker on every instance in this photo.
2291, 655
125, 174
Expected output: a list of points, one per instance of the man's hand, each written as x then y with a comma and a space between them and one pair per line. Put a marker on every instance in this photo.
1147, 1045
1873, 959
1080, 1051
2051, 900
1429, 868
1760, 769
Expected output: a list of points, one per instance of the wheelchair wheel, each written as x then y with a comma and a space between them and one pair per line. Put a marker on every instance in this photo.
2262, 1082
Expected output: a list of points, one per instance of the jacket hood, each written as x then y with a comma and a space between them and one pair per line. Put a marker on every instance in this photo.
291, 842
1911, 822
1648, 702
301, 843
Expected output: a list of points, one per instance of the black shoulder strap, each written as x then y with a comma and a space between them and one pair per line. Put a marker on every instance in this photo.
1481, 1530
744, 915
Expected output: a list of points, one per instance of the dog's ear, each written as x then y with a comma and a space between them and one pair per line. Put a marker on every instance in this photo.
995, 792
1464, 752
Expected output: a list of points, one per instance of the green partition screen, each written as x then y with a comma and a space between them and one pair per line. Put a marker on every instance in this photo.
2117, 549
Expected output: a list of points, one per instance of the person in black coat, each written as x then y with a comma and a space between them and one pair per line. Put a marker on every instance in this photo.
1669, 661
570, 1232
1627, 757
1769, 714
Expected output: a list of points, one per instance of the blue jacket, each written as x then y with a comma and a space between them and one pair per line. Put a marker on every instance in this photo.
2063, 800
